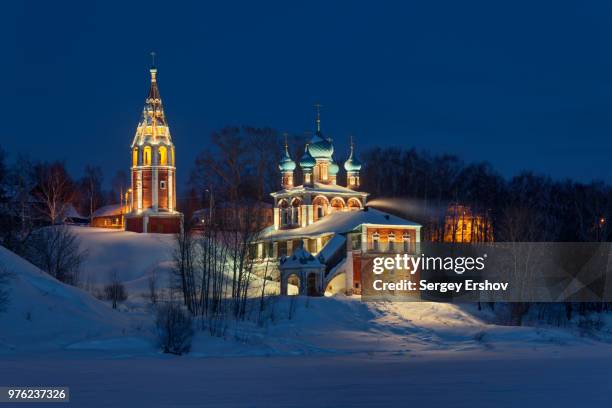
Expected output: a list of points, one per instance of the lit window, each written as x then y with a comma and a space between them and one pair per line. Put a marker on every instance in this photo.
375, 241
406, 241
146, 158
135, 157
162, 156
391, 239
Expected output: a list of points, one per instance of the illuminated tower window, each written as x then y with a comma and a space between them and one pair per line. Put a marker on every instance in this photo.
162, 153
147, 156
135, 157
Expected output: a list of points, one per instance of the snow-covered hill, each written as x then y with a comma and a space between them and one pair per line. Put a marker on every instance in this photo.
43, 313
133, 257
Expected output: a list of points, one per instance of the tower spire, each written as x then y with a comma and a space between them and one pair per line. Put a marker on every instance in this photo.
153, 68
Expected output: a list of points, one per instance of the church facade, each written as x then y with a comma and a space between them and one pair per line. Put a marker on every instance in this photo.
153, 171
320, 220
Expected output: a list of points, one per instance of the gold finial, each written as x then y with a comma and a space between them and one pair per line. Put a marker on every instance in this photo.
318, 107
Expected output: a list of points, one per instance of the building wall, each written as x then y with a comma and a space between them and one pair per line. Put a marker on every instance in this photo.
147, 191
111, 221
162, 198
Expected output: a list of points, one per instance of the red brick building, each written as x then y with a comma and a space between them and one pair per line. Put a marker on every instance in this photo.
153, 171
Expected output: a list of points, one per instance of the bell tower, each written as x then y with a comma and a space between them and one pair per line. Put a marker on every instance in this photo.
153, 171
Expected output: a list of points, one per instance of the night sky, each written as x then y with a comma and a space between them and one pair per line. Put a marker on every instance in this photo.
519, 84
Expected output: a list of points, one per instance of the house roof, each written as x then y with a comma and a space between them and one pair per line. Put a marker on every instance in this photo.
107, 211
338, 223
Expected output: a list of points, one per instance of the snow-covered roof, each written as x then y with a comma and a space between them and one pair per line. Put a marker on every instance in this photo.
299, 259
71, 212
339, 222
331, 247
320, 188
108, 210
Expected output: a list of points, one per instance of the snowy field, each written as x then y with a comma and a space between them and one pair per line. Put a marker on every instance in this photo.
330, 352
466, 380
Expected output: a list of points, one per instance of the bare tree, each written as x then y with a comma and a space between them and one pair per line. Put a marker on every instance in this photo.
91, 188
57, 251
54, 190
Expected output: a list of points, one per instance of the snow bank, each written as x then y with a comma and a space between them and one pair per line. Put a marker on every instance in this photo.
45, 313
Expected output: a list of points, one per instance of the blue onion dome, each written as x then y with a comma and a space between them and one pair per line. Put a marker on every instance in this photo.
286, 164
333, 169
320, 147
352, 163
307, 161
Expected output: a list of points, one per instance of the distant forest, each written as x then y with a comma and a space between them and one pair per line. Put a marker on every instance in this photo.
241, 164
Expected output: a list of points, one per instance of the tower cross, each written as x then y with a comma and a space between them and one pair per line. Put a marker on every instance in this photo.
152, 59
318, 107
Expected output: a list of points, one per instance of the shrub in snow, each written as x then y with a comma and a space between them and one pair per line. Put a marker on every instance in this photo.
5, 277
174, 328
115, 292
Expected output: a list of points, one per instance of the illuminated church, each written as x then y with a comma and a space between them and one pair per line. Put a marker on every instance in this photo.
321, 229
152, 206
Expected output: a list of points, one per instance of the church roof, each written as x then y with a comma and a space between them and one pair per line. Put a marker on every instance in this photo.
286, 164
307, 161
338, 223
319, 188
299, 259
352, 163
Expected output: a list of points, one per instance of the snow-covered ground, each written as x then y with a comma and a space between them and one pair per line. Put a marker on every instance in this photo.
334, 352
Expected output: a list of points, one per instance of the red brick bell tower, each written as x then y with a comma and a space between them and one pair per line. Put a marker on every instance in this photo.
153, 171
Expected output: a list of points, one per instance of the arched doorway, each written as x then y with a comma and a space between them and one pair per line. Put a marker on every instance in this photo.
311, 287
320, 206
293, 285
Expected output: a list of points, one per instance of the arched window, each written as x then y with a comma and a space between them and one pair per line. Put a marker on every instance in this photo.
146, 156
295, 211
406, 241
353, 204
135, 157
375, 241
391, 243
162, 156
284, 210
337, 204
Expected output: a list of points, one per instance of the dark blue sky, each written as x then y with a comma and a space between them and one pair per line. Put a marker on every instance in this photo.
521, 84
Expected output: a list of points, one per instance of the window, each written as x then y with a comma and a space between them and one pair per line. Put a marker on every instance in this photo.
147, 156
135, 157
391, 239
406, 241
375, 241
162, 184
162, 156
